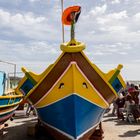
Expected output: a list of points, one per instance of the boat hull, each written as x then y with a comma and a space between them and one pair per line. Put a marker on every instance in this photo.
8, 104
71, 95
6, 115
72, 116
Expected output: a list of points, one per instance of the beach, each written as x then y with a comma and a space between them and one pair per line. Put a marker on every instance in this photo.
113, 129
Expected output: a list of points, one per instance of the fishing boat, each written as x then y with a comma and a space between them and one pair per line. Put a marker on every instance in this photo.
9, 100
72, 94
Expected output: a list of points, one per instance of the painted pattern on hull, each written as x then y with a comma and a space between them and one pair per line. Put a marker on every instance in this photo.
8, 104
72, 81
96, 78
73, 115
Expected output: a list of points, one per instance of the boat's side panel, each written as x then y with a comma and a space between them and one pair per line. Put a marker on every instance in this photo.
62, 87
5, 117
58, 69
108, 93
118, 82
50, 79
86, 89
6, 109
8, 105
72, 80
6, 113
26, 87
117, 85
73, 115
5, 102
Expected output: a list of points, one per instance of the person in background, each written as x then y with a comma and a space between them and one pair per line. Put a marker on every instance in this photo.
131, 88
30, 109
127, 86
134, 93
114, 110
128, 107
139, 99
120, 106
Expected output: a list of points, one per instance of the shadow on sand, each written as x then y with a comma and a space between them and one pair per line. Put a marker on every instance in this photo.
17, 131
131, 133
19, 128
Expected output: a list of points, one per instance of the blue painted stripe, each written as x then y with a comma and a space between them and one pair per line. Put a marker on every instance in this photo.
117, 85
17, 100
72, 115
9, 101
26, 87
4, 101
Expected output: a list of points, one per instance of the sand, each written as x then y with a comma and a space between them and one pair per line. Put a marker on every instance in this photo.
113, 129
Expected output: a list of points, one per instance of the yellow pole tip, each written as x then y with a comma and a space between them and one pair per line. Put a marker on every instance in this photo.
23, 69
120, 66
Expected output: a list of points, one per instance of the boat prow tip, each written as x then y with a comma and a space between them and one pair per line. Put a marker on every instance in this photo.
24, 69
120, 66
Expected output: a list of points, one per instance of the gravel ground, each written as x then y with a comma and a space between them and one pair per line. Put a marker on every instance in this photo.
113, 129
17, 129
120, 130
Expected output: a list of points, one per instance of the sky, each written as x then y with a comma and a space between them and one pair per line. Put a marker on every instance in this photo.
31, 33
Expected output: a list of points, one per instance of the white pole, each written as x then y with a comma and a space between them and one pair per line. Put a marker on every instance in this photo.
62, 6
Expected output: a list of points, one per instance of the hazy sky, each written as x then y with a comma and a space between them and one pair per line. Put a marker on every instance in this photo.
30, 33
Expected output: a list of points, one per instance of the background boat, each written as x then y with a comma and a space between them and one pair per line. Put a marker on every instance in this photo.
9, 100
